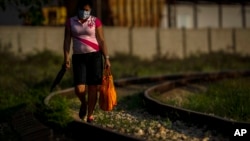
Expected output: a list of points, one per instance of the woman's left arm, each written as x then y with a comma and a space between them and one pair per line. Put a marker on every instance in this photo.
102, 44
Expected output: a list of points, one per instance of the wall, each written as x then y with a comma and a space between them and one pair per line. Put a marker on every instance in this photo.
144, 42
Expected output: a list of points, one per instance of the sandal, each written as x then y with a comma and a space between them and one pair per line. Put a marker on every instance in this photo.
90, 119
82, 111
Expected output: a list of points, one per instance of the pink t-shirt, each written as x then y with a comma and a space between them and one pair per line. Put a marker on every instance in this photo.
84, 36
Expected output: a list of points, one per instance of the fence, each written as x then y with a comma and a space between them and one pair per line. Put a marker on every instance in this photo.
144, 42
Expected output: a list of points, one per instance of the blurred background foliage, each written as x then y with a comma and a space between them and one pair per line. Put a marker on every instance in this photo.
29, 10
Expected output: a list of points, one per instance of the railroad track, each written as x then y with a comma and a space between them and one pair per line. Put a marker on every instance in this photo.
163, 84
156, 84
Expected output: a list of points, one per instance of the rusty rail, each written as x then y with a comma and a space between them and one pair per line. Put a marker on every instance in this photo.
162, 84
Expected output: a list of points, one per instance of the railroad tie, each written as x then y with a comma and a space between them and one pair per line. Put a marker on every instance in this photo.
29, 128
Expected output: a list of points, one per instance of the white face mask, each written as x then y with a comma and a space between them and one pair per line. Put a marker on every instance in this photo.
83, 14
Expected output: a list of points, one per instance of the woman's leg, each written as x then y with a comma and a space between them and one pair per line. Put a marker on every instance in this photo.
80, 91
92, 99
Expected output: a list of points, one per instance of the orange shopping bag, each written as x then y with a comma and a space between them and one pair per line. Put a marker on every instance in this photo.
107, 95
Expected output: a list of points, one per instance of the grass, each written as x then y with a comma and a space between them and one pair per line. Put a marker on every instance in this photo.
27, 80
226, 98
130, 66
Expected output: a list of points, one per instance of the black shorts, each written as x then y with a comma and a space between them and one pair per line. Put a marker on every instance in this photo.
87, 68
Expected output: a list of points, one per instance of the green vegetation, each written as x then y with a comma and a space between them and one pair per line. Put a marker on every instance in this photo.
130, 66
27, 80
226, 98
30, 11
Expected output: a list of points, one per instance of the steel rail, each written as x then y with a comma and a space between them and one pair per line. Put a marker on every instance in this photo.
161, 84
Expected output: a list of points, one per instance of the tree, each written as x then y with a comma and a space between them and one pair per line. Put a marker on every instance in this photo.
29, 10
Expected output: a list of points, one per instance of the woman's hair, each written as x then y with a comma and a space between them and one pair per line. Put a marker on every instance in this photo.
82, 3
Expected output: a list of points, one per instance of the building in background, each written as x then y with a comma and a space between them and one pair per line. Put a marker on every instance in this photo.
149, 13
54, 15
178, 13
208, 14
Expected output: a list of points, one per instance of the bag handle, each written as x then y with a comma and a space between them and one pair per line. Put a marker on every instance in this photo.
107, 71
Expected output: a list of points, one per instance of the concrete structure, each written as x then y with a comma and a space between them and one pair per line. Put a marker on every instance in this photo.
143, 42
200, 15
148, 13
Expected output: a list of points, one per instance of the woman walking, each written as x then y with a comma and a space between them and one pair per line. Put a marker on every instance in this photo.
89, 50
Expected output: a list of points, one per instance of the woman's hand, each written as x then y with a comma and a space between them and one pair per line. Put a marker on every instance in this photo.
67, 64
107, 63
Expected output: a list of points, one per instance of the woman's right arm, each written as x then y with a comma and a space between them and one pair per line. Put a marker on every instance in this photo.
66, 46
